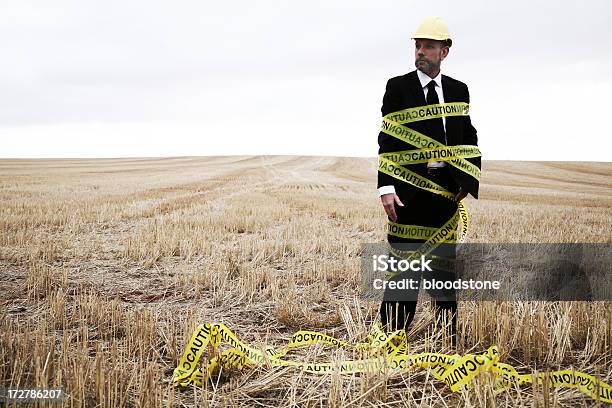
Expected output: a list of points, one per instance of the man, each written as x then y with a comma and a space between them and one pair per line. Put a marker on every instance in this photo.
404, 202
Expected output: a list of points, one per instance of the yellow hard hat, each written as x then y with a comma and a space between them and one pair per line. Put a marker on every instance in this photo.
433, 28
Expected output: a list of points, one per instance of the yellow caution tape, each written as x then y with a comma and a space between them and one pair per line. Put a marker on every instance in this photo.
422, 141
443, 153
384, 352
426, 112
445, 234
428, 150
412, 231
407, 176
214, 334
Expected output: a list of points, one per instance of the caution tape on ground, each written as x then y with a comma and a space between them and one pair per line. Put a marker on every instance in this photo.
383, 353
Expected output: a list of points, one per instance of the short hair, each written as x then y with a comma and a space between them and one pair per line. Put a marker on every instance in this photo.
444, 43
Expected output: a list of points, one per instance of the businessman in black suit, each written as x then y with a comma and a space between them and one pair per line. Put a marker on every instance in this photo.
404, 203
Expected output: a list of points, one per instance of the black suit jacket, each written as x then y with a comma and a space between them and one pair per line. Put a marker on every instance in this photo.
406, 92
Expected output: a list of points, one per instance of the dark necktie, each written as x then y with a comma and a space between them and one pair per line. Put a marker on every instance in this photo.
435, 125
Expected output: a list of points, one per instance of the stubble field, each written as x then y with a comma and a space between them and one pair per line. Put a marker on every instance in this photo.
107, 266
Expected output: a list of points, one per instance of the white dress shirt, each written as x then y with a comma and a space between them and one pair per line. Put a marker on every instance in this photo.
425, 80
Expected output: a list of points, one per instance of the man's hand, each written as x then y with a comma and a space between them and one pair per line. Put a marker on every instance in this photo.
388, 202
460, 195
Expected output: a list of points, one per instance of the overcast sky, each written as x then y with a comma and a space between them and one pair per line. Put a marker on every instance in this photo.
151, 78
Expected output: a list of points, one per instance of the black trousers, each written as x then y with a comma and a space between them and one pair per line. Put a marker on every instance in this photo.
429, 210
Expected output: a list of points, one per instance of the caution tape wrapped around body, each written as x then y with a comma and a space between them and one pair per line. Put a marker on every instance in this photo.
427, 150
